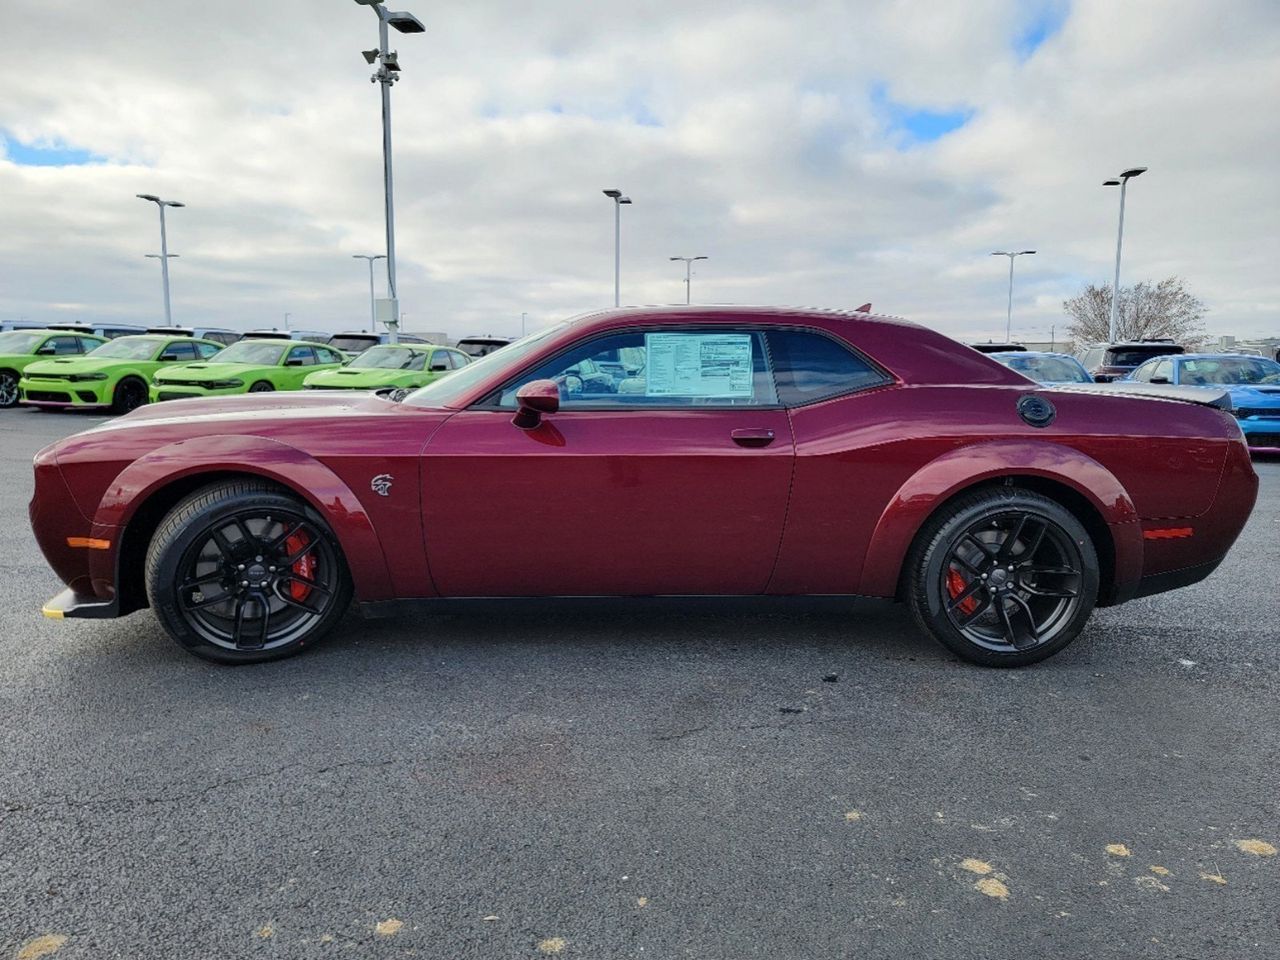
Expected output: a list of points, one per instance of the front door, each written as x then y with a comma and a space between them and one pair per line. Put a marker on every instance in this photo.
666, 471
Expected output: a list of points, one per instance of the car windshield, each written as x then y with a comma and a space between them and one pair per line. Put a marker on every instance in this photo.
353, 343
447, 391
128, 348
16, 342
1132, 356
1046, 369
262, 353
384, 358
478, 346
1229, 370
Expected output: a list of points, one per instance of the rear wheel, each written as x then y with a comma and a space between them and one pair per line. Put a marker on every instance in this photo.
130, 394
261, 387
242, 573
8, 388
1005, 577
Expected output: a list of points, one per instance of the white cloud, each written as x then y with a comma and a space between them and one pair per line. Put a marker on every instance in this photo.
746, 132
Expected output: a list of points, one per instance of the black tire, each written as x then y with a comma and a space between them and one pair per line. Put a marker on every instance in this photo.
8, 389
1003, 577
130, 394
261, 387
225, 537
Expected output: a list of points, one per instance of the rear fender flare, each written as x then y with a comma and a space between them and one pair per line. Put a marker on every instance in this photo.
977, 463
251, 456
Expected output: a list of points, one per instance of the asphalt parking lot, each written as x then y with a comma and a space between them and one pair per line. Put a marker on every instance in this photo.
640, 779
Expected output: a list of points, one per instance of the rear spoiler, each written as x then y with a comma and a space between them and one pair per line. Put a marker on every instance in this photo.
1218, 397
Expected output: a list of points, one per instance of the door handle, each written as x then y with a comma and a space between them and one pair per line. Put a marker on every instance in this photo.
752, 437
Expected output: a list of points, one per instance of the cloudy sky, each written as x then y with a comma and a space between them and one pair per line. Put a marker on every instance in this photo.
819, 153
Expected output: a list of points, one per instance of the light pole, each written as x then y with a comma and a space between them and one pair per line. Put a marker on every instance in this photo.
164, 254
388, 73
688, 273
1122, 182
618, 200
1008, 327
373, 314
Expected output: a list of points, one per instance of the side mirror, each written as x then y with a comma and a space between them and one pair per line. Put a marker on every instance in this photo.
294, 362
533, 400
168, 357
440, 365
1159, 379
1101, 378
46, 352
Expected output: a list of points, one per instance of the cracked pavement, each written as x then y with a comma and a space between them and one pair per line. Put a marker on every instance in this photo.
640, 779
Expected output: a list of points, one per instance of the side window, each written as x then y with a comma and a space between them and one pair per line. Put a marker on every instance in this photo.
659, 368
64, 346
1163, 369
207, 350
87, 344
301, 357
810, 366
460, 359
324, 355
440, 360
180, 351
1144, 372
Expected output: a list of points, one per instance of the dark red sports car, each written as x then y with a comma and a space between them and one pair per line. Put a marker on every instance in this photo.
727, 451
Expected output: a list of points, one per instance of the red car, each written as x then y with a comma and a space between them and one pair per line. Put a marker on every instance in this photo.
728, 451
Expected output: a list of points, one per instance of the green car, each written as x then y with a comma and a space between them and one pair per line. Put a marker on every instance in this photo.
408, 365
249, 366
19, 348
114, 375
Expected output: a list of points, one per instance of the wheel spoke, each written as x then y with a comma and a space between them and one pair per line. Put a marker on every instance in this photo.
984, 604
245, 535
985, 548
304, 607
1011, 539
971, 567
215, 577
1029, 635
307, 582
222, 543
288, 532
208, 601
1029, 553
289, 561
965, 594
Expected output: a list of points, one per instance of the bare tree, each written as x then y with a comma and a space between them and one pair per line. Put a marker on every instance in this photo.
1147, 311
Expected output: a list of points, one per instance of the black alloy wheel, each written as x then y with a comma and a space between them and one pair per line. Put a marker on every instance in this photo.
241, 573
8, 388
261, 387
1006, 578
130, 394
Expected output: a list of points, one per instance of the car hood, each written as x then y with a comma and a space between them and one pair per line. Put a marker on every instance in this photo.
1249, 395
79, 364
201, 371
363, 378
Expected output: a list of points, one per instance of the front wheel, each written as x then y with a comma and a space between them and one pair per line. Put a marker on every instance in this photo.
241, 572
261, 387
8, 388
1004, 577
129, 395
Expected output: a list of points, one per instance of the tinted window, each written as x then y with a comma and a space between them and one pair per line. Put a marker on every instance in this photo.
62, 346
1143, 373
658, 368
1163, 371
301, 356
1132, 356
182, 351
87, 344
324, 355
206, 350
440, 360
353, 342
810, 366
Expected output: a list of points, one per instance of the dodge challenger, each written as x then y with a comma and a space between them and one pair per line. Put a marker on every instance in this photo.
652, 451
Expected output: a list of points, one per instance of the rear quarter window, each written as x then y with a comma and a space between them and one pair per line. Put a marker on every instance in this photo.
811, 366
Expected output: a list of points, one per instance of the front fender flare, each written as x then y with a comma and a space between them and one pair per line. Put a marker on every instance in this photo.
974, 464
254, 456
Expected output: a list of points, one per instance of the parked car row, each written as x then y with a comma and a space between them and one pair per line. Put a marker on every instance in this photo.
54, 369
1252, 383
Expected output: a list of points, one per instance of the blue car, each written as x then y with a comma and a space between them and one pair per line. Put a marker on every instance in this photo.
1047, 368
1253, 382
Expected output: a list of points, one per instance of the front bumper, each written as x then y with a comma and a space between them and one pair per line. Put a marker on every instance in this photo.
69, 604
186, 391
1261, 433
63, 393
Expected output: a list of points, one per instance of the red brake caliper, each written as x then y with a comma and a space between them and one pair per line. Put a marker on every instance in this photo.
955, 587
304, 567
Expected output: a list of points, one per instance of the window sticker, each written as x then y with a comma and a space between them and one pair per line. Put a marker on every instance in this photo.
698, 364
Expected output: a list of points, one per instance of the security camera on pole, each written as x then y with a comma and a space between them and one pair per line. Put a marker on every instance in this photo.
388, 311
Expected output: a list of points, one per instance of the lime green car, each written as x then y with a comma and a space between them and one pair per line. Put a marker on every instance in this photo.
409, 365
20, 348
113, 375
248, 366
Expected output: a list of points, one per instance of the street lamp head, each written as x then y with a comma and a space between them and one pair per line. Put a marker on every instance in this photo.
614, 194
368, 3
1133, 172
1021, 252
370, 55
147, 196
699, 258
1113, 182
1000, 253
405, 22
675, 258
173, 203
624, 199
